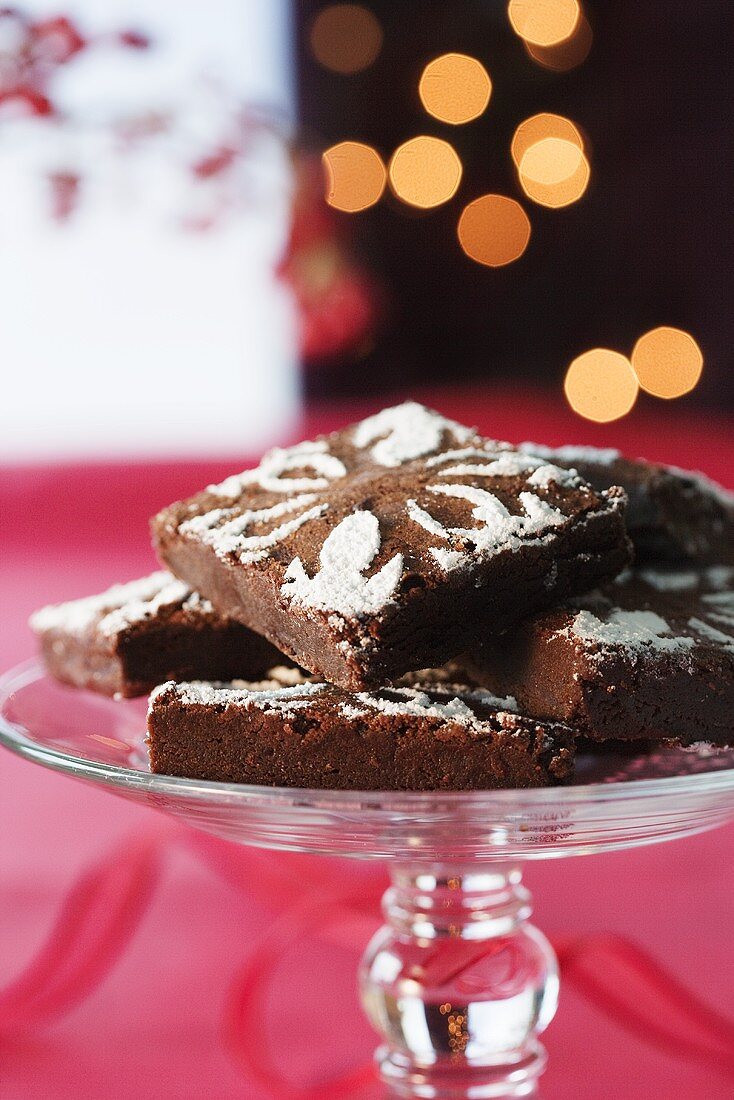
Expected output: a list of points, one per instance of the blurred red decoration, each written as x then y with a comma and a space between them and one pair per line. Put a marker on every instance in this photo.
24, 103
134, 39
338, 302
64, 194
30, 52
54, 41
215, 162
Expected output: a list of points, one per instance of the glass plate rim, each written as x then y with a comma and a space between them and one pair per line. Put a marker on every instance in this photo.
16, 741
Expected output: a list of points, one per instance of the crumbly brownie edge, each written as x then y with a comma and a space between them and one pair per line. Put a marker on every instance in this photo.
80, 664
329, 751
134, 635
680, 687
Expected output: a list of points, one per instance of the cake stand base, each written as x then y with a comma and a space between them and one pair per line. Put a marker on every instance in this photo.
459, 985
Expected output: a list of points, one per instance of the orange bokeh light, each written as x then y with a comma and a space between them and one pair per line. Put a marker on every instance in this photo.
425, 171
568, 54
544, 22
455, 88
494, 230
355, 176
537, 128
346, 38
667, 361
554, 172
601, 385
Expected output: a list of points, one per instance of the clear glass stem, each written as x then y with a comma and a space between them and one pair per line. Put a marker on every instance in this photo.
459, 985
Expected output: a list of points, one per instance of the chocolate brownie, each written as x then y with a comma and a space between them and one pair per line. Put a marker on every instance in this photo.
392, 544
650, 657
672, 514
130, 638
309, 734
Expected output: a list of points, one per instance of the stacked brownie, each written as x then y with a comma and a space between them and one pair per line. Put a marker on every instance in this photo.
409, 542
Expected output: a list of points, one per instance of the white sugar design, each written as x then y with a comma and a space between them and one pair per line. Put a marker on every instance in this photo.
712, 633
268, 475
499, 528
340, 585
230, 537
225, 529
634, 630
120, 606
410, 431
266, 695
417, 703
602, 456
718, 607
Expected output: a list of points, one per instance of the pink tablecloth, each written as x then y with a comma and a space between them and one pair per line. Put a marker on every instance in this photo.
152, 1027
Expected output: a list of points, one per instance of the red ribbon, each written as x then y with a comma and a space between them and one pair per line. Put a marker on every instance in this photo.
104, 908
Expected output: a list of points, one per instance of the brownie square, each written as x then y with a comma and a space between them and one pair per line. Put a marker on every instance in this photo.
391, 545
651, 657
130, 638
672, 514
307, 734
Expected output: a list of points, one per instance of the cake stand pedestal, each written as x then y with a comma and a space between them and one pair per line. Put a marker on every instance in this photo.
458, 983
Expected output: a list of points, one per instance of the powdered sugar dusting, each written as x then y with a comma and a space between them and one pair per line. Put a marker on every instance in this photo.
540, 514
547, 475
416, 703
719, 576
230, 537
266, 695
715, 577
489, 452
719, 606
448, 560
507, 704
426, 521
712, 633
120, 606
510, 464
410, 431
268, 475
411, 701
340, 584
633, 630
499, 527
599, 456
673, 580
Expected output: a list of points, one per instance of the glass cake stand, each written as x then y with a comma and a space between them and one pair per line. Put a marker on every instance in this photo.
458, 983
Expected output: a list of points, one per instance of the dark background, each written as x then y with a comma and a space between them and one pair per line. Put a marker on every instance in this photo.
649, 244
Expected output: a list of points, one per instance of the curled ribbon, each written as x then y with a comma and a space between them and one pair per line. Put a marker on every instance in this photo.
107, 903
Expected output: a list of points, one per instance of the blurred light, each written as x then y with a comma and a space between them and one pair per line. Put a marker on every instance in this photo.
538, 127
667, 361
494, 230
601, 385
455, 88
355, 176
544, 22
565, 55
346, 38
554, 172
425, 171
